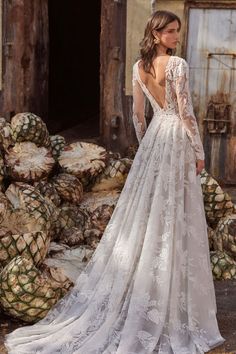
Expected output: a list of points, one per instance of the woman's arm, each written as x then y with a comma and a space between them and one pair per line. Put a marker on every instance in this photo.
186, 108
139, 119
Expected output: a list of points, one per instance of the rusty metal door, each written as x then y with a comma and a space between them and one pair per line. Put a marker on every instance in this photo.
211, 54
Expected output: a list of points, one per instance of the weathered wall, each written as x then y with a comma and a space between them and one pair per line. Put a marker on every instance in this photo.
25, 57
212, 60
112, 48
138, 12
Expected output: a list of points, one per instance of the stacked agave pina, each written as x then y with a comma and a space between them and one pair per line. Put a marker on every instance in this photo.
30, 158
217, 203
223, 266
27, 162
68, 187
25, 233
221, 218
72, 223
46, 187
29, 127
83, 160
57, 145
27, 293
26, 224
27, 217
224, 237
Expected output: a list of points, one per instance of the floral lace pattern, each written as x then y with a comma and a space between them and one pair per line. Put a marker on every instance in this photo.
148, 287
178, 101
139, 119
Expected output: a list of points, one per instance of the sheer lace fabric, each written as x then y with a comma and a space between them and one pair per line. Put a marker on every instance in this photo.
148, 287
178, 101
139, 120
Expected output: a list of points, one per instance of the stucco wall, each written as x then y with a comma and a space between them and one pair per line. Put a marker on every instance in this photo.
138, 12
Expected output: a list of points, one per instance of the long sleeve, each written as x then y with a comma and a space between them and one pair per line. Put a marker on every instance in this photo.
186, 108
139, 119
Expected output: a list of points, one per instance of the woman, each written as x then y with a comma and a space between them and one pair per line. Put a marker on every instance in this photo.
148, 287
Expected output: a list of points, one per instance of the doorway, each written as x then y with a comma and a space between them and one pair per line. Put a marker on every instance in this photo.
74, 66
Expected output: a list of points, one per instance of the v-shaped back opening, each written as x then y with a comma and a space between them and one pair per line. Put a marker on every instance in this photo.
148, 90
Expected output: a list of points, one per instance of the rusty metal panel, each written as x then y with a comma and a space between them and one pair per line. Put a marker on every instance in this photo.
211, 54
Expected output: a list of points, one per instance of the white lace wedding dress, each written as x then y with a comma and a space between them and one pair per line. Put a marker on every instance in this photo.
148, 287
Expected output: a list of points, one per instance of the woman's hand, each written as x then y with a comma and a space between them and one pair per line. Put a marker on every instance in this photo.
200, 164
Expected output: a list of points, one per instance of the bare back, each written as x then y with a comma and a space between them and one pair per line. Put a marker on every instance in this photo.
156, 83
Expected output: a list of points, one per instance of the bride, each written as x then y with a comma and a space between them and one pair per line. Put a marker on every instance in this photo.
148, 287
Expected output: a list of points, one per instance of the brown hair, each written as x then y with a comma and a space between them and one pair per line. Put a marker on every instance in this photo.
157, 21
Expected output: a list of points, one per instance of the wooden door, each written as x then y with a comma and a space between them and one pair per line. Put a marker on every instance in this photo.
25, 57
117, 132
211, 54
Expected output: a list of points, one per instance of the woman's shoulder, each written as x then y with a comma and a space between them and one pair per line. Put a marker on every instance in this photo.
179, 66
179, 60
174, 58
137, 63
176, 65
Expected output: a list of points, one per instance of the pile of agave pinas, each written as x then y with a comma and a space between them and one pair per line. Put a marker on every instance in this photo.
61, 193
221, 219
51, 192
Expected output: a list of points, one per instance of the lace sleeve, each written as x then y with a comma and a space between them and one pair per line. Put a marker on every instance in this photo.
139, 119
186, 108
